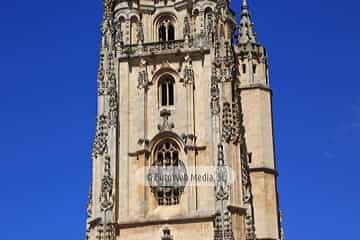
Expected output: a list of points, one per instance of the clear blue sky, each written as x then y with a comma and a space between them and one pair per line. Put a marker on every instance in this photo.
48, 62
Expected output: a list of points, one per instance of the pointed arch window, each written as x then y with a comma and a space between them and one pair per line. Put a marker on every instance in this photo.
167, 156
171, 33
166, 91
208, 20
162, 33
166, 29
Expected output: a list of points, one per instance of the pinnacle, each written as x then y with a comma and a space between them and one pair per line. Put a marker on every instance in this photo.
246, 32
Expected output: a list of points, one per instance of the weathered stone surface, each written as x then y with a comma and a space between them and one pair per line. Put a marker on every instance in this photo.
169, 73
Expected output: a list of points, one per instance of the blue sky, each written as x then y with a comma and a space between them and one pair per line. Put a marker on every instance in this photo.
48, 62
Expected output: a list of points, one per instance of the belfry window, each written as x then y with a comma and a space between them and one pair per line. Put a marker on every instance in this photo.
167, 156
166, 30
162, 33
171, 33
243, 68
166, 91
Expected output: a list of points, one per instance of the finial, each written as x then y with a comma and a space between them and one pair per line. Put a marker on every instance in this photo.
108, 8
246, 33
244, 3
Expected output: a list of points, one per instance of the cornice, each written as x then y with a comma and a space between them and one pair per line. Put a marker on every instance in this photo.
176, 51
140, 222
265, 170
257, 86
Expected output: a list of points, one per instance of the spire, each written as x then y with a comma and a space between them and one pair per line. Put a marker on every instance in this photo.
246, 33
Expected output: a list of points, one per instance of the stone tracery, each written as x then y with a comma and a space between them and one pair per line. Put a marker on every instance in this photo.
207, 28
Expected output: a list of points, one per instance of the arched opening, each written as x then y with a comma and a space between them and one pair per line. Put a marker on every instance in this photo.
171, 33
120, 26
162, 33
166, 91
229, 30
167, 154
222, 31
133, 30
166, 157
165, 28
208, 20
195, 21
122, 21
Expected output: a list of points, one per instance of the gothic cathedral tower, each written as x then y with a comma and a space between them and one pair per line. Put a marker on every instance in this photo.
181, 86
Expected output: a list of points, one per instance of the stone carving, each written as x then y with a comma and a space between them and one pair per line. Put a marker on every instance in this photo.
166, 234
90, 203
228, 50
106, 231
216, 36
99, 232
156, 47
210, 23
229, 72
189, 141
222, 31
108, 33
187, 27
228, 232
220, 4
226, 114
237, 119
166, 161
113, 108
222, 224
100, 143
246, 32
188, 71
108, 8
221, 176
223, 227
106, 196
218, 227
118, 34
140, 33
215, 105
113, 102
217, 52
166, 126
101, 77
247, 195
227, 124
143, 79
101, 227
110, 231
112, 92
107, 78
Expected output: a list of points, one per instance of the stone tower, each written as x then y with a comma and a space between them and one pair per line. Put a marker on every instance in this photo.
181, 86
